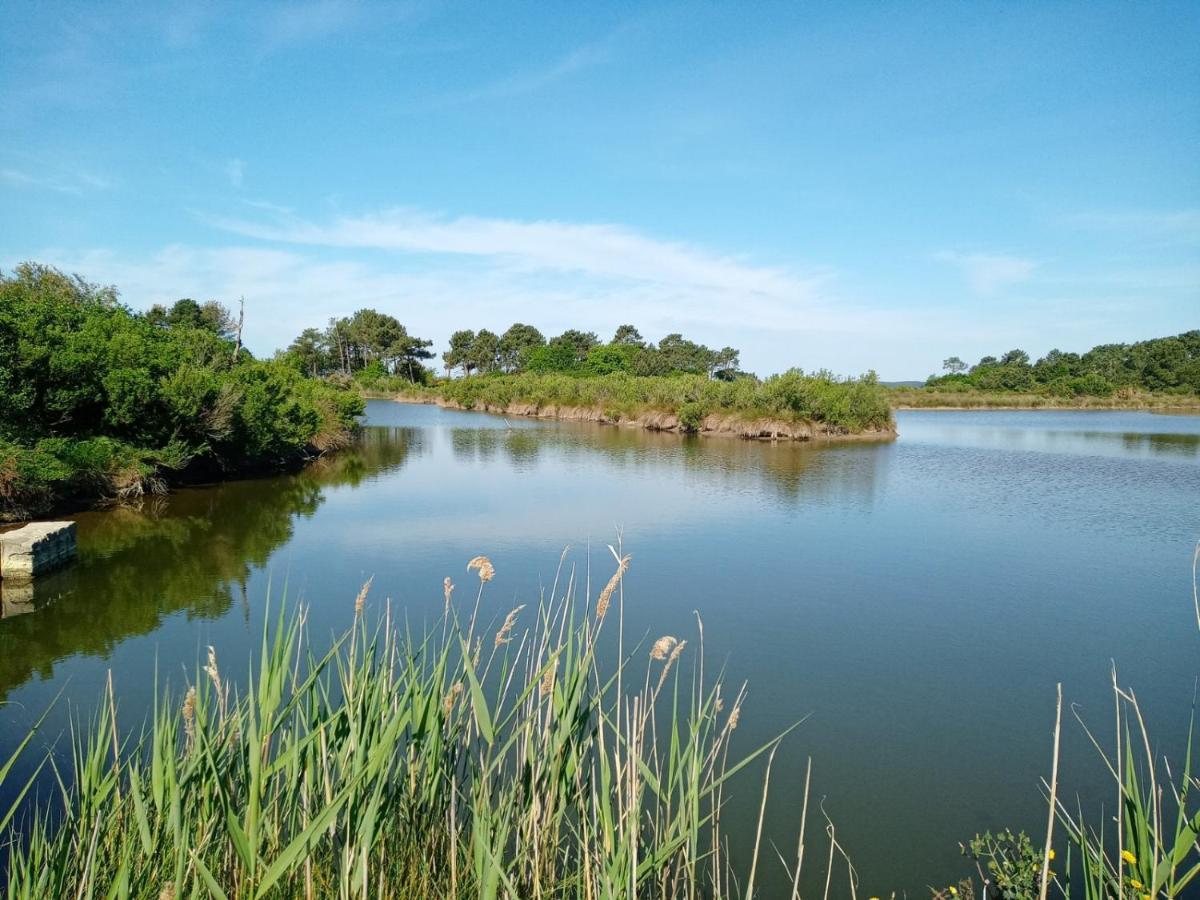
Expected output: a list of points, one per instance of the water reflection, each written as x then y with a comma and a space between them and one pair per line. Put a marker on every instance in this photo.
192, 552
789, 471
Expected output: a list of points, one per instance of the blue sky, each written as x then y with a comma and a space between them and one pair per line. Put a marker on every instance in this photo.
843, 185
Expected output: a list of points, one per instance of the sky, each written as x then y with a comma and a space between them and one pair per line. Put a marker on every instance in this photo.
849, 186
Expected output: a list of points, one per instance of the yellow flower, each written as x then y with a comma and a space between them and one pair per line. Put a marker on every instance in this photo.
1135, 884
1129, 857
1050, 855
953, 891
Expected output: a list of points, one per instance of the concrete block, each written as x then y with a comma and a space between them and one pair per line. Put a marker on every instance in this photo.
36, 548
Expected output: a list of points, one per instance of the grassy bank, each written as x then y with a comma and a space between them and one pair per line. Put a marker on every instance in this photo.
99, 402
789, 405
943, 398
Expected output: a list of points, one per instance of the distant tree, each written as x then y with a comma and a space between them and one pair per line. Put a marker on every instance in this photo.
459, 354
218, 319
516, 344
311, 352
627, 334
184, 313
724, 364
1015, 358
485, 351
581, 341
953, 365
682, 355
157, 315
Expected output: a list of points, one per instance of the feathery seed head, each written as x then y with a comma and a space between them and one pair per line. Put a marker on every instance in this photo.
361, 599
451, 697
606, 594
486, 570
662, 647
502, 636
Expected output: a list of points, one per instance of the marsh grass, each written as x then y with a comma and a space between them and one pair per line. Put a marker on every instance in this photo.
844, 404
506, 760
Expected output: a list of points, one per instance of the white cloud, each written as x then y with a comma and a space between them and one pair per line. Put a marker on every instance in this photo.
601, 251
987, 273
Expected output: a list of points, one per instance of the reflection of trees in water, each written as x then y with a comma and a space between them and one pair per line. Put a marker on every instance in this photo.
519, 446
790, 471
1162, 444
192, 552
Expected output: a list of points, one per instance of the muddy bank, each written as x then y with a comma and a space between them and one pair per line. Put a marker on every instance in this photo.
718, 424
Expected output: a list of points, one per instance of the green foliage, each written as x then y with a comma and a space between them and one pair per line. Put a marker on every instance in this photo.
1009, 862
1169, 364
96, 399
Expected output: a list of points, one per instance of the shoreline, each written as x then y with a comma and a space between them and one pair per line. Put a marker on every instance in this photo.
762, 428
984, 407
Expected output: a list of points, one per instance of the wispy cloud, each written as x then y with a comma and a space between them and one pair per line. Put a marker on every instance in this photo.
62, 182
987, 273
602, 250
1179, 224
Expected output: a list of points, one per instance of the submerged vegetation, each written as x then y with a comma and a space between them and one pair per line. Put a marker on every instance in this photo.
99, 401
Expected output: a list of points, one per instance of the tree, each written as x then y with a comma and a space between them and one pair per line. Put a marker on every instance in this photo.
459, 354
311, 351
485, 351
953, 365
627, 334
218, 319
724, 364
516, 344
581, 341
184, 313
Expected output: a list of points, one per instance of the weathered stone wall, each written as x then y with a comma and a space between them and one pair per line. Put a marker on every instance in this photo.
36, 548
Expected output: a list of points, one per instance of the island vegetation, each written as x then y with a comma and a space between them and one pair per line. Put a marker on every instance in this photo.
675, 384
100, 401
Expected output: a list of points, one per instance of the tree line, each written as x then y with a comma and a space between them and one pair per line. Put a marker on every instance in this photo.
102, 400
366, 340
370, 343
1170, 364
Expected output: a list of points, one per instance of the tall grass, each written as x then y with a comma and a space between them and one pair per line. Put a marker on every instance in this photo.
468, 760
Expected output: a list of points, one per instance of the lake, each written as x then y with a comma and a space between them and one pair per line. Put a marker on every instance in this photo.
916, 600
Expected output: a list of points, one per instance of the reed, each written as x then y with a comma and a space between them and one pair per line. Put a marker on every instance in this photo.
448, 763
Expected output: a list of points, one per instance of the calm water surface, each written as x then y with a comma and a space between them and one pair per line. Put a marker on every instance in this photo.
919, 599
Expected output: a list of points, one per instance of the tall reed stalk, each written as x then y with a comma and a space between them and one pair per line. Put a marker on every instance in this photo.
463, 761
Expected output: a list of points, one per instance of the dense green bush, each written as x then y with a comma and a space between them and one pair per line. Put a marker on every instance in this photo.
99, 400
